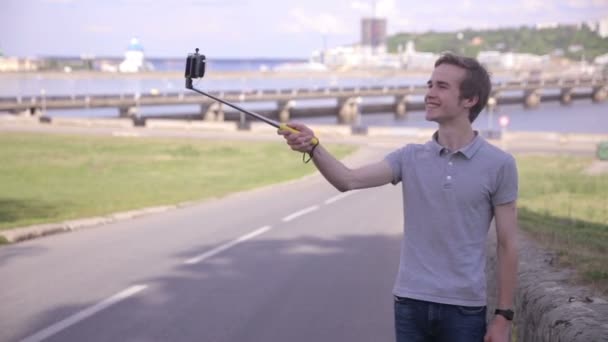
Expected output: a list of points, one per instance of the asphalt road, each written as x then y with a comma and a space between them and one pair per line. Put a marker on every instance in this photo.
294, 262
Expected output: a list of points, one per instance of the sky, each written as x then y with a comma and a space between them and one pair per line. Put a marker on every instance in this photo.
252, 28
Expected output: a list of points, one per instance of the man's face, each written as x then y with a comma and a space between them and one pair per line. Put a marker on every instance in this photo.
442, 100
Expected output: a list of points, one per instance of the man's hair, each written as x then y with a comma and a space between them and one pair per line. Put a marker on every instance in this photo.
475, 83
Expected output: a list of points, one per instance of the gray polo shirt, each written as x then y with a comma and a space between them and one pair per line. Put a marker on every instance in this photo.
448, 199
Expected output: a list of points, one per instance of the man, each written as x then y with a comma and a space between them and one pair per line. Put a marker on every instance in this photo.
453, 186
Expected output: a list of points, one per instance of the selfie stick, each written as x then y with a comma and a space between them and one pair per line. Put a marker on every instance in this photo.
195, 66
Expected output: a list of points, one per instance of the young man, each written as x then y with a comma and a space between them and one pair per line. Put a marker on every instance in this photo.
453, 186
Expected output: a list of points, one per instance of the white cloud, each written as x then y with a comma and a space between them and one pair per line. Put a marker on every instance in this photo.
536, 5
360, 6
384, 8
467, 4
99, 28
58, 2
586, 3
301, 21
401, 24
182, 3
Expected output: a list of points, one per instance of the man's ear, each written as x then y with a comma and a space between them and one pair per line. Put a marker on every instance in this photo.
470, 102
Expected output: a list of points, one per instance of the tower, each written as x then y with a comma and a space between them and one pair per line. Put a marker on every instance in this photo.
373, 32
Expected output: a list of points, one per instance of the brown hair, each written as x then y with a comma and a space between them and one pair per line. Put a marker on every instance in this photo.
475, 83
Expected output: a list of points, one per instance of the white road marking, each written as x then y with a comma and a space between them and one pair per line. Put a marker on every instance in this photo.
224, 247
300, 213
339, 197
79, 316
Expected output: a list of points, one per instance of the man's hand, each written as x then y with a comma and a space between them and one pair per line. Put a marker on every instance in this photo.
498, 331
301, 142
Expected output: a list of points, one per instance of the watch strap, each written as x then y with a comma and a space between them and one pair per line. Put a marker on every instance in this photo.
508, 313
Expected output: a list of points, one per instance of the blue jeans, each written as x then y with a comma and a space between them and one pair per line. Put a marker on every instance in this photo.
420, 321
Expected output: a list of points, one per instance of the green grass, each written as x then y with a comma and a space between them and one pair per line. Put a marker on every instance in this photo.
567, 211
50, 178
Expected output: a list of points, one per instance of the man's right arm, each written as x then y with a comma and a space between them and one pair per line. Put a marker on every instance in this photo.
338, 174
344, 178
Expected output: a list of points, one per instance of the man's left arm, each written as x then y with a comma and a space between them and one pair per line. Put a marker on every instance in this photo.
506, 250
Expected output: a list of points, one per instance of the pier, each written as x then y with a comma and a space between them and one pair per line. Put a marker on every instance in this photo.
350, 102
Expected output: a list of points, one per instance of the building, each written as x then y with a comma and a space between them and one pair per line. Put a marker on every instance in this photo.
511, 60
134, 58
12, 64
370, 53
602, 28
373, 33
602, 59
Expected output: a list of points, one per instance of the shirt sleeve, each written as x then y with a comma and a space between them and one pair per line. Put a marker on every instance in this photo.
506, 183
396, 160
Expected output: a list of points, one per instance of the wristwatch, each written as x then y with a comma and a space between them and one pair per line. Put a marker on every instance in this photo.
508, 313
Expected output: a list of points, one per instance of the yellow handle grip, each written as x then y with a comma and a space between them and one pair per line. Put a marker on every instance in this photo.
284, 127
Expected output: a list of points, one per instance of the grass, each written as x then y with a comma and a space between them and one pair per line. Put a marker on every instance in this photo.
50, 178
567, 211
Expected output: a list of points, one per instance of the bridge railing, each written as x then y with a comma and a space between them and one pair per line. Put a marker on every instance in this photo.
350, 101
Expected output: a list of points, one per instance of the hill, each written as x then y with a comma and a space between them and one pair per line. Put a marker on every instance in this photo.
567, 41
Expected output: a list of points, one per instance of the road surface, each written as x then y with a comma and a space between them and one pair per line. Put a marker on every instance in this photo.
297, 261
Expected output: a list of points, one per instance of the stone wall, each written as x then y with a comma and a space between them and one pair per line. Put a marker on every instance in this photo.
547, 306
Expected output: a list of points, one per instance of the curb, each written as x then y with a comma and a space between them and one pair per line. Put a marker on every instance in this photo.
19, 234
31, 232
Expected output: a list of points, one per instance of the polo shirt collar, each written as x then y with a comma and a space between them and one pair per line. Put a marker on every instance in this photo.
468, 151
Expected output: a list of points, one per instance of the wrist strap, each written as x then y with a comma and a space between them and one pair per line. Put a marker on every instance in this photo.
310, 154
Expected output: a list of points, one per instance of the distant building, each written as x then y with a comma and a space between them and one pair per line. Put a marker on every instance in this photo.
370, 53
544, 26
511, 60
602, 59
16, 64
476, 41
602, 28
134, 58
491, 59
373, 32
357, 56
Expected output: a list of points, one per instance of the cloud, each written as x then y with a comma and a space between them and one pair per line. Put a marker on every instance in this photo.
586, 3
58, 2
180, 3
536, 5
384, 8
301, 21
216, 2
98, 28
360, 6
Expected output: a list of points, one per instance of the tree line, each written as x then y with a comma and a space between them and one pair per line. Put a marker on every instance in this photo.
573, 42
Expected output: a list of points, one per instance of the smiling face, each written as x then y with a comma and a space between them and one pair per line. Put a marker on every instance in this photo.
443, 102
